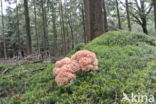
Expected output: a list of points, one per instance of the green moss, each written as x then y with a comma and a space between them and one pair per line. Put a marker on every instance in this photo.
123, 38
127, 64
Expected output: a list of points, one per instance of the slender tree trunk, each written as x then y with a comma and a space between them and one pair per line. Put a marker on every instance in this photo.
94, 18
68, 39
27, 21
83, 21
4, 40
143, 17
105, 16
36, 31
69, 29
72, 32
154, 3
118, 14
54, 28
128, 16
44, 22
62, 38
144, 25
63, 28
18, 30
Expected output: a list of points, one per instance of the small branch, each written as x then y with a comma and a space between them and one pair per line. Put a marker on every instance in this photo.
7, 69
39, 69
115, 100
19, 64
137, 4
150, 8
122, 4
21, 74
137, 19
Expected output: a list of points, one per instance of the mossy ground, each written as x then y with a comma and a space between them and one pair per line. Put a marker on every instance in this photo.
127, 64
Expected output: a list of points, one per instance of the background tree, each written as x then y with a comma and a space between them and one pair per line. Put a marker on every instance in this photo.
154, 3
94, 18
44, 23
27, 22
53, 10
4, 39
105, 16
128, 16
63, 27
118, 14
36, 30
140, 13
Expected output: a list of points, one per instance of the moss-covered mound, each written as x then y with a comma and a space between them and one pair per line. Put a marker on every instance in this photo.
127, 65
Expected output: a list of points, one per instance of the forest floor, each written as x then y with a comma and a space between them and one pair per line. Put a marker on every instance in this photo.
32, 59
8, 61
127, 64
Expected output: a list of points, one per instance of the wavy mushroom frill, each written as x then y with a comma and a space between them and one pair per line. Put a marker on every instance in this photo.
62, 62
86, 59
64, 71
65, 64
64, 77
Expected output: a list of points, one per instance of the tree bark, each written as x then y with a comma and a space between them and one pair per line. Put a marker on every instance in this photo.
94, 19
54, 28
105, 16
128, 16
63, 28
36, 31
4, 40
143, 17
17, 27
144, 25
154, 3
44, 22
27, 21
68, 39
83, 22
118, 14
71, 30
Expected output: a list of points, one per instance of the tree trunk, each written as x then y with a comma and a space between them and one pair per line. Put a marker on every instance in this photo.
83, 21
105, 16
17, 27
62, 37
71, 30
72, 35
144, 25
54, 28
44, 22
154, 3
94, 19
68, 39
63, 29
118, 15
27, 21
18, 30
4, 40
36, 32
143, 17
128, 16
